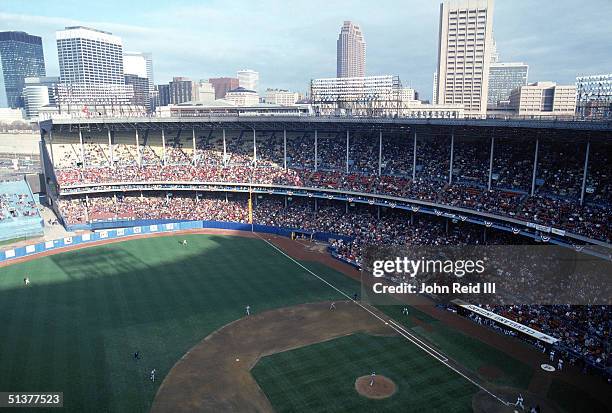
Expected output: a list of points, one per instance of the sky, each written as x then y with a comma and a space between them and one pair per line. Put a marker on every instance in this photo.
291, 42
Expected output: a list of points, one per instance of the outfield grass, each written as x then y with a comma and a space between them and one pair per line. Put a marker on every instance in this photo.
75, 328
321, 377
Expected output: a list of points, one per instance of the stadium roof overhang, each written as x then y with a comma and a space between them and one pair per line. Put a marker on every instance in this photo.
467, 127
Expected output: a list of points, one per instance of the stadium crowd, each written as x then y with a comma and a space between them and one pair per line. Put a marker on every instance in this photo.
555, 202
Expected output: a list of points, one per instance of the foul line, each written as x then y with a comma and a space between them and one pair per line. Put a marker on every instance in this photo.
394, 326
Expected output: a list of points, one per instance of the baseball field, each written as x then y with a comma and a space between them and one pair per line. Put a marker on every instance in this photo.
76, 327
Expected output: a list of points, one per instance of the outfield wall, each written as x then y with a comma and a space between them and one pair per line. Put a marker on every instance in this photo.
125, 229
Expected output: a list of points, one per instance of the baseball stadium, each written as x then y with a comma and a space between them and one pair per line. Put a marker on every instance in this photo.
215, 263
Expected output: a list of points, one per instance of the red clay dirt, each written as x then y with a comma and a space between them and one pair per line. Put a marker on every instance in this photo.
381, 388
215, 375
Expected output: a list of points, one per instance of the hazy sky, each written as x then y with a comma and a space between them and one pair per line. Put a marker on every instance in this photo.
290, 42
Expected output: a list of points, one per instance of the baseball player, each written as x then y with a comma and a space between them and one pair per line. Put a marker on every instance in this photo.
26, 281
248, 310
560, 364
552, 355
372, 376
137, 355
152, 376
184, 242
332, 306
405, 310
519, 402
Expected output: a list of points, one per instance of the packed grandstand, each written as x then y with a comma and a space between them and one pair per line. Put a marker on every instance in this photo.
206, 175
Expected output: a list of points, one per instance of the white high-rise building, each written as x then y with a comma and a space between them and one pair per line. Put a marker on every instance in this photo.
464, 54
248, 79
351, 51
89, 56
91, 70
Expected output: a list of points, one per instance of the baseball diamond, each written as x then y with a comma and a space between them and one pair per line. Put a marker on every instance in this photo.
182, 308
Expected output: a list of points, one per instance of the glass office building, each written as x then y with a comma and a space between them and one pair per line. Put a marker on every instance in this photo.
21, 56
503, 79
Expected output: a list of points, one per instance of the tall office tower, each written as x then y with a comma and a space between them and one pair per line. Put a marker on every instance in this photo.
182, 89
248, 79
163, 95
351, 51
91, 69
21, 56
89, 56
222, 85
464, 54
503, 79
434, 95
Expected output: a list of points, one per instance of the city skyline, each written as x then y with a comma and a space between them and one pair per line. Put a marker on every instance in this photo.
289, 54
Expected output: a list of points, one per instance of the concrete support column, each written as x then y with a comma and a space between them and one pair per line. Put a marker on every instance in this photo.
491, 161
378, 211
110, 148
316, 205
224, 148
452, 154
254, 148
82, 148
535, 167
379, 153
195, 157
316, 148
285, 149
347, 151
163, 147
414, 154
585, 172
285, 201
138, 152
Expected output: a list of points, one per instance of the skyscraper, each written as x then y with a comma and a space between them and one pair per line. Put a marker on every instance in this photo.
91, 68
181, 90
503, 79
89, 56
21, 56
351, 51
248, 79
464, 54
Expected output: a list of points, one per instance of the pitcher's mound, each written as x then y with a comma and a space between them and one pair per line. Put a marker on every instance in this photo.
382, 388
